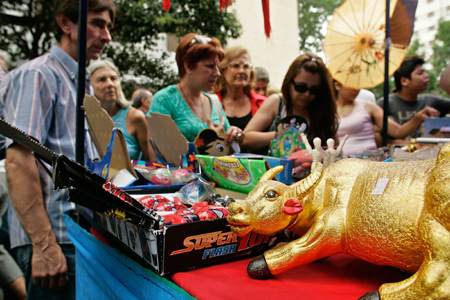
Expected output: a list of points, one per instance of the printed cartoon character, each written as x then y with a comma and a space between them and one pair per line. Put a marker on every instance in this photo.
209, 142
287, 138
287, 142
211, 212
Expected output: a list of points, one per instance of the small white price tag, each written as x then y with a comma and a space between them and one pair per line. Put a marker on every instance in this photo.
381, 185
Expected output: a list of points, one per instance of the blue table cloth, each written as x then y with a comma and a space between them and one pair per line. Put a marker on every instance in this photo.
104, 273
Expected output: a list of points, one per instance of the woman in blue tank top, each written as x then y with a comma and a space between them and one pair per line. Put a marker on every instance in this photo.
105, 79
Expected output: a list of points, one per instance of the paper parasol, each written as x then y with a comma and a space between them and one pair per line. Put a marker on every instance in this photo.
354, 45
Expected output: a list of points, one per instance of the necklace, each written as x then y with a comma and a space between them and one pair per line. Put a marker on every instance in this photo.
344, 111
202, 116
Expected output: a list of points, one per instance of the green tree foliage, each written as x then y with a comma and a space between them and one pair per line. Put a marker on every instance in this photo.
441, 47
441, 55
439, 60
433, 85
26, 28
139, 24
313, 15
143, 20
415, 47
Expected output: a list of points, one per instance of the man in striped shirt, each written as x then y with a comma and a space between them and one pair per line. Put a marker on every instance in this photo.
40, 99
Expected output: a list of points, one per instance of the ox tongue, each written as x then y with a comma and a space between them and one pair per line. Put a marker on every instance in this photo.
292, 207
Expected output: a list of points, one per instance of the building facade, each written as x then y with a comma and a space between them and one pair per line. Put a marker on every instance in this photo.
428, 14
276, 53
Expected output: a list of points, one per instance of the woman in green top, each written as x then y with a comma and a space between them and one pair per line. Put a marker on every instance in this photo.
187, 102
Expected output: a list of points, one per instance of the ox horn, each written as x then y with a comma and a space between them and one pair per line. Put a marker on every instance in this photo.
271, 173
303, 187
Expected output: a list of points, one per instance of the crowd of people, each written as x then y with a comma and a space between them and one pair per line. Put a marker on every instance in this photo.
217, 89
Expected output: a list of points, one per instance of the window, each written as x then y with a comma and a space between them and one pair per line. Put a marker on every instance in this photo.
431, 28
430, 14
429, 1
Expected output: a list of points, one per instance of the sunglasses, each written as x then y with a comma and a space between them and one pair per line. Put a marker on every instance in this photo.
199, 39
301, 87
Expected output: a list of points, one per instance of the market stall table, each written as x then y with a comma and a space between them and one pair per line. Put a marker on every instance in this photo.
104, 273
340, 277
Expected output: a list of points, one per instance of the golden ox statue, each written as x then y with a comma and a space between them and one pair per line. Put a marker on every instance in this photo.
388, 213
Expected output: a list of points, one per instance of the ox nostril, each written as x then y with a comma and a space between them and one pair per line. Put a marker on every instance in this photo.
238, 208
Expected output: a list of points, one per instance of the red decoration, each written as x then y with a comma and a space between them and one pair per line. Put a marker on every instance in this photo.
224, 4
199, 142
166, 5
266, 12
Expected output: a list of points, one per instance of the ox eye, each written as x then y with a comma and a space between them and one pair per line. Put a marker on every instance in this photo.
271, 194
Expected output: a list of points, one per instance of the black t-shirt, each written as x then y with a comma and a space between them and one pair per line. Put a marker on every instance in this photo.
402, 111
240, 122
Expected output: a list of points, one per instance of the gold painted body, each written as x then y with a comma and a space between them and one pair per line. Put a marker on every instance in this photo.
406, 226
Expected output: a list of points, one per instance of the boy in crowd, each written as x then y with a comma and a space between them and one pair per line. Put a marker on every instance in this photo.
411, 79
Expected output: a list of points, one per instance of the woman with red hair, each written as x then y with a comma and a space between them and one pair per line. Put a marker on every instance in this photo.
188, 102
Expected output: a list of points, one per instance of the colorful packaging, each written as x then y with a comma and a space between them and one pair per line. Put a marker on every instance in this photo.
239, 174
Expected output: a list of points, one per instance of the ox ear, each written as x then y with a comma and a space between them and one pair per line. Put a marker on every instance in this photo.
292, 207
271, 173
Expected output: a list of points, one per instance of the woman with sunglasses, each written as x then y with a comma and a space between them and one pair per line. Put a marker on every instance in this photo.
188, 102
306, 91
234, 87
357, 120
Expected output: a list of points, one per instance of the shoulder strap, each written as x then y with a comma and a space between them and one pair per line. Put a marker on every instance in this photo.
280, 105
275, 122
217, 104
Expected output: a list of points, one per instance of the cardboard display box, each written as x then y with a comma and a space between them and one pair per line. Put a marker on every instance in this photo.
436, 127
109, 142
180, 247
241, 173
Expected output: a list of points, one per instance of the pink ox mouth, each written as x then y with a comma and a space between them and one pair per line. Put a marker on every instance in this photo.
240, 229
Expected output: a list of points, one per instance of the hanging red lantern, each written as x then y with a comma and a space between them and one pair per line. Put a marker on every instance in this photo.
266, 13
166, 5
223, 4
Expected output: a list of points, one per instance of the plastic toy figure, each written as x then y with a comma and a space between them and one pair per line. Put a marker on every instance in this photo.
333, 153
317, 153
